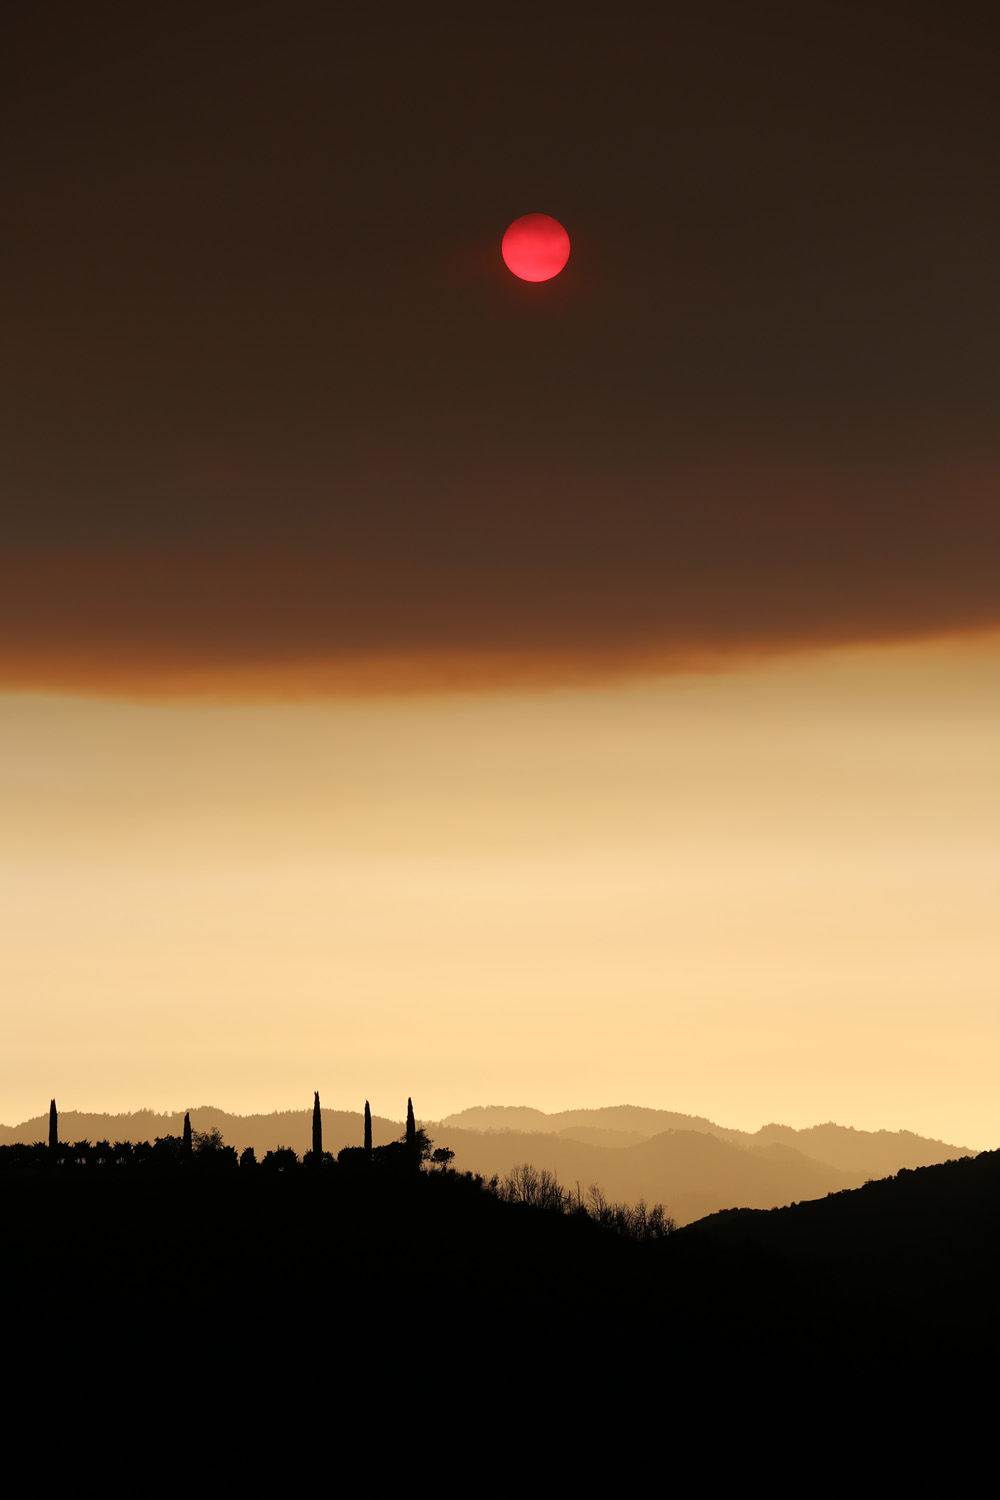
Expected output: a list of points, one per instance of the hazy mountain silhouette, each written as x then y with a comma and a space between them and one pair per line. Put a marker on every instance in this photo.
692, 1172
685, 1161
629, 1118
595, 1135
873, 1153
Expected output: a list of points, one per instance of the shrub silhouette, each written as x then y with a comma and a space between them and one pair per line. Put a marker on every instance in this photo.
542, 1190
354, 1158
281, 1160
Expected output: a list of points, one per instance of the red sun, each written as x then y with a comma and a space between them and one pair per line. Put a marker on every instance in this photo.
535, 247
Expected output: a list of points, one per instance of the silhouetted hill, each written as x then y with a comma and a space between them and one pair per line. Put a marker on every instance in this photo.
903, 1214
907, 1262
278, 1303
901, 1264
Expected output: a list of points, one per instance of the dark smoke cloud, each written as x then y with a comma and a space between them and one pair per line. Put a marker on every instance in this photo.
729, 565
276, 418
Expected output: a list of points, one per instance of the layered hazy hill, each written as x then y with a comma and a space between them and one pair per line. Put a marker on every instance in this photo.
692, 1172
876, 1153
686, 1162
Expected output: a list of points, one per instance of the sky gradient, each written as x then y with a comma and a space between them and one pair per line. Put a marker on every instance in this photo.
559, 693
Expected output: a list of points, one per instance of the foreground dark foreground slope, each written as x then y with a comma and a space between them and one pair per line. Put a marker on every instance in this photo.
290, 1317
904, 1266
906, 1262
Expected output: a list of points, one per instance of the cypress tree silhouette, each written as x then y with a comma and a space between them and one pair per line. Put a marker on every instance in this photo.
317, 1132
53, 1127
368, 1128
187, 1145
411, 1137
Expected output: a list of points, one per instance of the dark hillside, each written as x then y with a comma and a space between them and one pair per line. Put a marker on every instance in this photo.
906, 1263
338, 1252
120, 1266
290, 1316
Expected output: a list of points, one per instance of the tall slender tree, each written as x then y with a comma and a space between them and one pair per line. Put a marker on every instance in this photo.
411, 1137
53, 1127
317, 1132
368, 1128
187, 1144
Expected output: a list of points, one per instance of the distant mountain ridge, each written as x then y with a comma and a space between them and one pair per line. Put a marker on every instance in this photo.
624, 1117
686, 1162
877, 1153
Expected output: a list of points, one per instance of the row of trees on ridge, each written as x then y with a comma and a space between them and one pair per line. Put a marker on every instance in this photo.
524, 1185
412, 1152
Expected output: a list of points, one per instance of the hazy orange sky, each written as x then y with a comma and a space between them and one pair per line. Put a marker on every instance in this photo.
755, 895
417, 681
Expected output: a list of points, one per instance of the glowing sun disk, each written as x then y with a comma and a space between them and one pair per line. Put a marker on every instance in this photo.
535, 247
